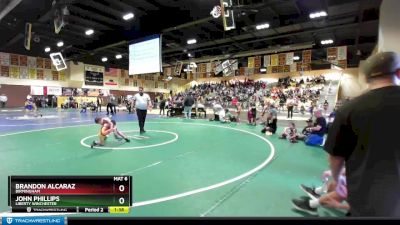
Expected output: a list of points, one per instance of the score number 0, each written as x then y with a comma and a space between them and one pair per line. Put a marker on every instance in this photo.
121, 200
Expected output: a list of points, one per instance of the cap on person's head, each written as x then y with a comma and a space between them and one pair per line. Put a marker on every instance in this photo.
384, 63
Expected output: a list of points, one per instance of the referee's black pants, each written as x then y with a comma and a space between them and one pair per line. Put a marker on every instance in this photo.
141, 114
290, 112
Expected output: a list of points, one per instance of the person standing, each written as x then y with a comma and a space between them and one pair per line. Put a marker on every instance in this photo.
290, 105
99, 103
364, 138
162, 105
141, 103
188, 103
3, 100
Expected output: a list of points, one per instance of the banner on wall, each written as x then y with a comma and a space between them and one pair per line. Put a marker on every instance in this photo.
293, 67
53, 91
40, 63
94, 75
267, 60
342, 53
40, 74
274, 60
257, 61
178, 69
32, 62
282, 59
14, 59
250, 62
23, 60
4, 59
331, 54
111, 77
209, 68
37, 90
47, 64
23, 72
289, 58
5, 71
307, 54
32, 74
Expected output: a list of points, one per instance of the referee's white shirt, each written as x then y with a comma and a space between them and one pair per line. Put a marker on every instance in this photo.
141, 101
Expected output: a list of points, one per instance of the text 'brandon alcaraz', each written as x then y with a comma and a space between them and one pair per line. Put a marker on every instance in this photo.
35, 188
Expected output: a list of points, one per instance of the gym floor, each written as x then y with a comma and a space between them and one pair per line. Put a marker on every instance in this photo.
179, 167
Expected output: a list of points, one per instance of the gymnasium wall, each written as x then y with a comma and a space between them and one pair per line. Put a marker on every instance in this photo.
16, 94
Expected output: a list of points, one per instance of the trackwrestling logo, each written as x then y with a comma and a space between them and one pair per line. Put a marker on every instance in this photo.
33, 220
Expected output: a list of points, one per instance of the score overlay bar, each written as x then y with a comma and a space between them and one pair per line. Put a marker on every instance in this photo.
90, 194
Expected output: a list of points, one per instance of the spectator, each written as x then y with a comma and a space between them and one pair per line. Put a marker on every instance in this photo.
3, 100
99, 103
272, 120
306, 131
290, 133
290, 105
364, 135
188, 104
318, 130
162, 105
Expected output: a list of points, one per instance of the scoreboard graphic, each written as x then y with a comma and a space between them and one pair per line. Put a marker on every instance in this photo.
70, 194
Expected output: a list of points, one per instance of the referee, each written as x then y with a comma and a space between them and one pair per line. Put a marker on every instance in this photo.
141, 102
365, 139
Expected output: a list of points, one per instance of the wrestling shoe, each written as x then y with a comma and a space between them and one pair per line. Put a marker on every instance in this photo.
310, 191
93, 144
127, 140
304, 206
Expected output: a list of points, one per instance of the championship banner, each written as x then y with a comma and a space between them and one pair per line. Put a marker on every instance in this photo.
4, 59
14, 60
289, 58
178, 69
47, 64
241, 71
32, 74
39, 63
307, 56
23, 60
293, 67
54, 74
23, 72
32, 62
286, 68
274, 60
342, 63
267, 60
61, 75
126, 82
281, 69
5, 71
40, 74
209, 68
257, 62
168, 71
269, 69
342, 53
282, 59
47, 74
203, 68
250, 63
331, 54
274, 69
111, 77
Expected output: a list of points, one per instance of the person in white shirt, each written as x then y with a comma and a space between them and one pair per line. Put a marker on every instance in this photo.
3, 100
141, 103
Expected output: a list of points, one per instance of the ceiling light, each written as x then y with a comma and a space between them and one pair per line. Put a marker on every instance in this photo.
327, 42
128, 16
262, 26
104, 59
191, 41
296, 58
60, 44
89, 32
263, 70
47, 49
318, 14
189, 55
119, 56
